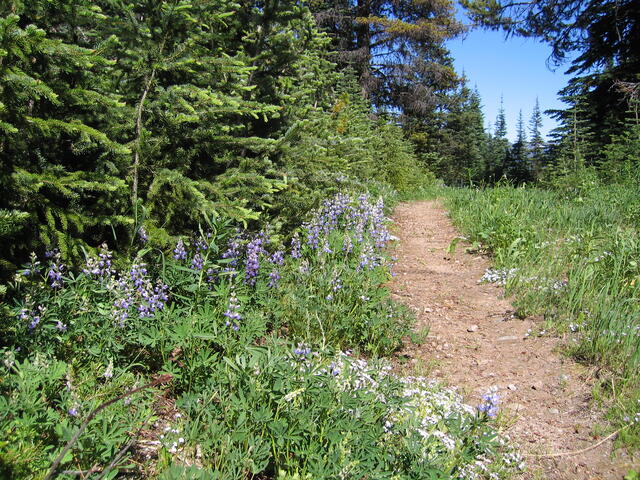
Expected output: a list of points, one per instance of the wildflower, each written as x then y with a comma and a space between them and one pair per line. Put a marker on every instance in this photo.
197, 263
61, 326
73, 411
347, 245
276, 259
326, 248
142, 235
179, 253
302, 350
295, 246
34, 322
291, 395
101, 266
336, 282
212, 275
367, 258
108, 373
252, 266
274, 277
232, 254
304, 267
233, 312
313, 235
138, 273
490, 402
33, 267
55, 273
201, 245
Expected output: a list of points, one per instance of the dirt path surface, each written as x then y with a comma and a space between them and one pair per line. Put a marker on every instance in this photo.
475, 343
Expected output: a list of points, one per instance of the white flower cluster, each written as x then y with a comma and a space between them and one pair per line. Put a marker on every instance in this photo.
419, 410
499, 277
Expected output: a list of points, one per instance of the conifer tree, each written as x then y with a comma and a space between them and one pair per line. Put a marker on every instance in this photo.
497, 148
457, 141
536, 144
59, 162
518, 168
396, 48
601, 38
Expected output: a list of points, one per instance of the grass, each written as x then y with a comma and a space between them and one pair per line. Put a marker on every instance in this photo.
573, 258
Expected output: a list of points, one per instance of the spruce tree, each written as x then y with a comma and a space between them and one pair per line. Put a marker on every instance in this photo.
497, 148
536, 144
518, 166
60, 164
396, 49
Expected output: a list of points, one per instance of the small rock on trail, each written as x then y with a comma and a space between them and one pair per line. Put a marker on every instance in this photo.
486, 346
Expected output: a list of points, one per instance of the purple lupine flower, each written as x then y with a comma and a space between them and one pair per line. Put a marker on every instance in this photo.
61, 326
490, 402
212, 275
347, 245
101, 266
121, 312
277, 258
326, 248
336, 282
295, 246
105, 260
233, 312
197, 263
201, 245
274, 278
35, 320
313, 235
33, 267
179, 253
367, 258
138, 276
152, 299
142, 235
252, 266
302, 350
233, 253
73, 411
55, 274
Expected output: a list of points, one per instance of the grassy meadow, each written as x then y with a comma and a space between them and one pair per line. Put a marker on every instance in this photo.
574, 259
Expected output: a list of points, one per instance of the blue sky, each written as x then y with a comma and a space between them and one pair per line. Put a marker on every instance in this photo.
515, 68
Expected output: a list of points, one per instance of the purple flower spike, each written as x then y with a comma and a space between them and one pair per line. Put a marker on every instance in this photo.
233, 312
490, 402
198, 262
252, 266
142, 235
179, 253
295, 246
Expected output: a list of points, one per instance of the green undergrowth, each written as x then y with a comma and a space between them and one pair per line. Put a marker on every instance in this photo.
234, 355
573, 258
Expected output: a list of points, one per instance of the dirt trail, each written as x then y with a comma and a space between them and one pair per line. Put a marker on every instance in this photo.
474, 343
